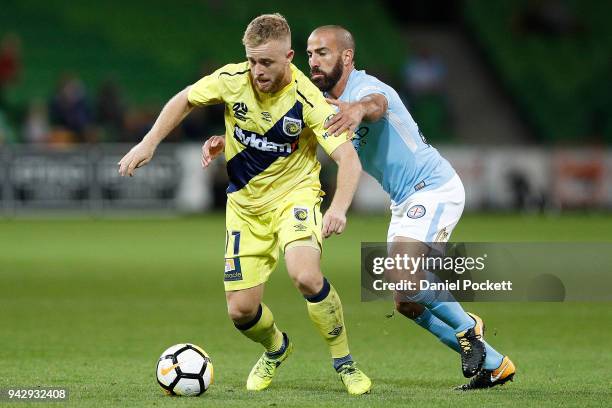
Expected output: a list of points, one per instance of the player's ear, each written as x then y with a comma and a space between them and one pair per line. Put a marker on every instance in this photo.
290, 55
347, 56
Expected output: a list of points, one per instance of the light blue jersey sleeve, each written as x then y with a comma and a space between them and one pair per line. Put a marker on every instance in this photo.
393, 150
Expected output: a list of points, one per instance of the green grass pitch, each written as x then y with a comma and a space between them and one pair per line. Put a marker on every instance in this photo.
90, 305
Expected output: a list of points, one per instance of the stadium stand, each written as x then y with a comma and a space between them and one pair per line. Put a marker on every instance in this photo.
153, 53
554, 58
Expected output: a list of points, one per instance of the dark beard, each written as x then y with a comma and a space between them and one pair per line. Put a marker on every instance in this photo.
328, 81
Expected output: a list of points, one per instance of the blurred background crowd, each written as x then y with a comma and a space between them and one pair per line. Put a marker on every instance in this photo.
475, 74
66, 76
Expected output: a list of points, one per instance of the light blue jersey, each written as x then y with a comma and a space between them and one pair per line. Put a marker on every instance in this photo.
393, 150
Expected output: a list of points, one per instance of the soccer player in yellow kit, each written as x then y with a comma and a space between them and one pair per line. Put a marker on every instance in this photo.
274, 119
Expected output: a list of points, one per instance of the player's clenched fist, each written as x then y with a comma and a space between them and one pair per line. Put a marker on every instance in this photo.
140, 155
212, 148
334, 222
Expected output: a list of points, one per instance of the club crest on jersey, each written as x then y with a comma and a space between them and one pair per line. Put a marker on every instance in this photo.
416, 211
300, 214
292, 127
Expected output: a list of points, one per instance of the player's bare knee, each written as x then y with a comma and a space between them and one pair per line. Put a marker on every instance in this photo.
241, 313
308, 283
409, 309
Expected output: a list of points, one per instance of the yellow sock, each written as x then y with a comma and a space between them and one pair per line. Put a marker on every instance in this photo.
325, 311
263, 330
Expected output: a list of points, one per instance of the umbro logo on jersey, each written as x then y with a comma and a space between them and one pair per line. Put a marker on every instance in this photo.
240, 110
266, 116
336, 332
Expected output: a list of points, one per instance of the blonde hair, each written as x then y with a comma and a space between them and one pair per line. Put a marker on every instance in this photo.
265, 28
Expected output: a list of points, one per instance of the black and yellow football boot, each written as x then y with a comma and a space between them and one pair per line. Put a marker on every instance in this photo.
473, 351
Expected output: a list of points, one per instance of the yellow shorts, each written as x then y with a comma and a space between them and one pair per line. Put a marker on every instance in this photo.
252, 242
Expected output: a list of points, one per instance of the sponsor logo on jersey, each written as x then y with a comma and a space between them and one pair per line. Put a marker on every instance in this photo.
292, 127
442, 235
232, 270
240, 110
416, 211
300, 213
251, 139
359, 137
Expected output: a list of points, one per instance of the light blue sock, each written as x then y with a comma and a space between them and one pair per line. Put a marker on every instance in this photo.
444, 306
438, 328
452, 314
446, 335
493, 359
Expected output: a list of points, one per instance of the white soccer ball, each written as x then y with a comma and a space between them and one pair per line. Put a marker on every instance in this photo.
184, 369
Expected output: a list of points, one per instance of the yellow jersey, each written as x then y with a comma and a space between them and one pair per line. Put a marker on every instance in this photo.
270, 138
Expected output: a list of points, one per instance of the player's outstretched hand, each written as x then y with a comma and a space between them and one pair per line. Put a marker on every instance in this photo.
212, 148
334, 222
138, 156
349, 117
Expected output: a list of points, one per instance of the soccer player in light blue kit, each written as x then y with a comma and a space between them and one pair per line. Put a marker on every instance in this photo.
426, 193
